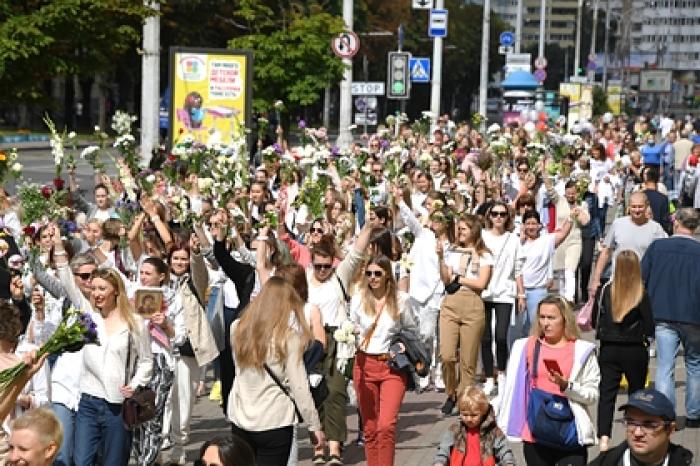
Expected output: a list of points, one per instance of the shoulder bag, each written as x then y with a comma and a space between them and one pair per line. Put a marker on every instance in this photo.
141, 406
285, 390
549, 416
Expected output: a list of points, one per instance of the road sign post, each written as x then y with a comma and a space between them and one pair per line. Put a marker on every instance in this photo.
437, 26
345, 44
422, 4
507, 39
420, 69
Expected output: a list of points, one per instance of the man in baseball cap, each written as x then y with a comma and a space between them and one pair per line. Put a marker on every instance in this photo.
649, 421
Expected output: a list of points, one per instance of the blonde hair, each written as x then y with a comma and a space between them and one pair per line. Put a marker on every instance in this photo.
472, 398
571, 331
626, 289
369, 301
44, 423
266, 323
112, 277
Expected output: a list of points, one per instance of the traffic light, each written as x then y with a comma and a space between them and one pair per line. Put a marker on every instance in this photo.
398, 76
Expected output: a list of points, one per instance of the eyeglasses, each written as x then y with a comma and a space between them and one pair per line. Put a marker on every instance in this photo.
499, 214
323, 266
84, 275
317, 230
648, 427
374, 273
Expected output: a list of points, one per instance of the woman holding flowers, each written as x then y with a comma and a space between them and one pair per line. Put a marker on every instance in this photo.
379, 311
112, 371
167, 330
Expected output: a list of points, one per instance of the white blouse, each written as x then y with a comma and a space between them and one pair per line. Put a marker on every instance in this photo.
386, 327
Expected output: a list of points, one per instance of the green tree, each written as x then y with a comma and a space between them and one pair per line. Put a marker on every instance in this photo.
600, 101
292, 55
40, 40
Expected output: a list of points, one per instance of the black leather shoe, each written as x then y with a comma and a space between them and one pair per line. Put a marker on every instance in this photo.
448, 407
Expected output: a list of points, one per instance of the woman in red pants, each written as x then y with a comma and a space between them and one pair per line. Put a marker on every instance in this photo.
379, 311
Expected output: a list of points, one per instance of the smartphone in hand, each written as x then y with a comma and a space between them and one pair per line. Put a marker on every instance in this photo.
552, 366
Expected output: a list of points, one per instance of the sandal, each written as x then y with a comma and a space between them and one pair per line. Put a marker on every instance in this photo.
318, 459
335, 460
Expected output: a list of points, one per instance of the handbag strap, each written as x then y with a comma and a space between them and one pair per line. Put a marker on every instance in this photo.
535, 360
371, 330
285, 390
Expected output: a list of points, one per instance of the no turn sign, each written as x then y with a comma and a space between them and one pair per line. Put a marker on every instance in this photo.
346, 44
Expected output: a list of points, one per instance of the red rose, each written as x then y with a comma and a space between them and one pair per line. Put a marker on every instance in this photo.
46, 191
59, 183
29, 230
171, 158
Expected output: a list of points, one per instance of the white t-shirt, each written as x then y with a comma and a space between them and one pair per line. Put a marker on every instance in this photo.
386, 327
452, 259
538, 258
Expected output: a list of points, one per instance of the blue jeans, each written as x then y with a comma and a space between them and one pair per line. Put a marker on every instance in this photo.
67, 418
99, 428
524, 320
669, 337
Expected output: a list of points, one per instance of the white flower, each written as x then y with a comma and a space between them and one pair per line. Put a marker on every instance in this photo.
175, 199
348, 327
428, 114
122, 121
352, 127
97, 128
89, 150
151, 178
279, 105
494, 128
72, 135
16, 167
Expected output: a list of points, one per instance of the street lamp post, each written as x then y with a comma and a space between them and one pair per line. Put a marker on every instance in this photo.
484, 81
150, 84
577, 51
344, 133
436, 82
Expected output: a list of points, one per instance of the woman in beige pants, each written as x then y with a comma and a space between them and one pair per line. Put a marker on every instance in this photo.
465, 268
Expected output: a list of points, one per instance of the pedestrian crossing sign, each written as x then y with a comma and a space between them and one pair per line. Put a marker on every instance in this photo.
420, 69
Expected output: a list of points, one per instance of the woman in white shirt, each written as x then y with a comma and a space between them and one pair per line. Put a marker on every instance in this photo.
379, 311
465, 269
505, 285
112, 371
537, 270
167, 330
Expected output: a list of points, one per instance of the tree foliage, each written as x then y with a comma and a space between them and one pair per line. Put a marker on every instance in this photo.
291, 41
40, 40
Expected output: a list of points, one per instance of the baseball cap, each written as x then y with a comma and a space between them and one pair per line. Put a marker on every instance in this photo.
651, 402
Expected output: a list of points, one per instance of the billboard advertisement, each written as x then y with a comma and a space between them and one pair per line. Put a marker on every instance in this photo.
655, 80
573, 92
211, 93
615, 98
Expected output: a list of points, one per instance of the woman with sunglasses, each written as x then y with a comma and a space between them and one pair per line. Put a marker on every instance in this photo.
328, 289
112, 370
167, 330
379, 312
466, 268
188, 281
504, 290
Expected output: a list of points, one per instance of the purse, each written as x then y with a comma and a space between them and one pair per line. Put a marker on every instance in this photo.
285, 390
549, 416
140, 407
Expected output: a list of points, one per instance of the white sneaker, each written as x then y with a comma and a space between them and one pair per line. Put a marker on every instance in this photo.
439, 383
423, 382
489, 387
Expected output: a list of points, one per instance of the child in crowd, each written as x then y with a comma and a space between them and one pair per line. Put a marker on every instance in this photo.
475, 439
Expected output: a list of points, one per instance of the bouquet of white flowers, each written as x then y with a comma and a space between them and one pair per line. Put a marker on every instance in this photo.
345, 339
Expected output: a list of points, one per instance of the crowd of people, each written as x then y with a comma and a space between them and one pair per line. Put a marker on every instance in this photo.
451, 260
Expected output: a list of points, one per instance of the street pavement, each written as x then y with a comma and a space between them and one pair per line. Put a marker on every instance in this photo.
420, 426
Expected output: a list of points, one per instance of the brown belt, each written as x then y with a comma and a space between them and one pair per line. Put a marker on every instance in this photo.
378, 357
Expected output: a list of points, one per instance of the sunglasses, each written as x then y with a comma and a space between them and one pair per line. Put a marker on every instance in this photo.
317, 230
374, 273
323, 266
84, 275
499, 214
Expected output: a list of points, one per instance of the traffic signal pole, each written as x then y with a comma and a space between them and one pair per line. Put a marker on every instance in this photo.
436, 82
344, 133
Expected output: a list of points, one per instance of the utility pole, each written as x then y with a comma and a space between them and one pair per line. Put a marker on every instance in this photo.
543, 15
518, 26
344, 134
605, 45
484, 81
150, 85
596, 4
577, 49
436, 82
